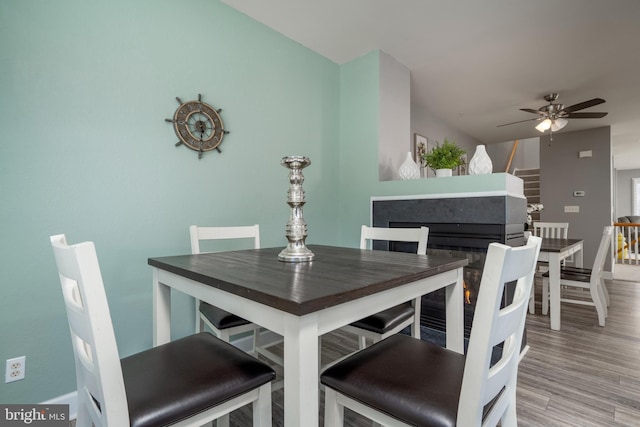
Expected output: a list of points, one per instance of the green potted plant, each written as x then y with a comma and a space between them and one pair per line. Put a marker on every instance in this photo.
443, 158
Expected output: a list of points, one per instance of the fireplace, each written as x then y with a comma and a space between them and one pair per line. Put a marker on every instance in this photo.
458, 226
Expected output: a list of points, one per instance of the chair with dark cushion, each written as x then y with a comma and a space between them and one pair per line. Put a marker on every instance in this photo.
391, 321
584, 286
634, 219
403, 381
224, 324
187, 382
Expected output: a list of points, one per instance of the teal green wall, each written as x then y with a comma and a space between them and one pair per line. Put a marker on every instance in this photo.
359, 106
85, 151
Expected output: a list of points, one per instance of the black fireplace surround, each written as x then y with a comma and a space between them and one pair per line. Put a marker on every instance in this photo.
461, 226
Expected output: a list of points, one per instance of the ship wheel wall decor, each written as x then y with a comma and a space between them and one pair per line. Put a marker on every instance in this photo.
198, 126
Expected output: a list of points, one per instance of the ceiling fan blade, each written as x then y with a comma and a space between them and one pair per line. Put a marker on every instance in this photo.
586, 115
583, 105
529, 110
513, 123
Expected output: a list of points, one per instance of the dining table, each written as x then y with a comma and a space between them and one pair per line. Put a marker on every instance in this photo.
303, 300
554, 251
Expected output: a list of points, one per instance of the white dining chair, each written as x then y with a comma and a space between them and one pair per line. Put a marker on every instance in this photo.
187, 382
393, 320
224, 324
403, 381
552, 230
574, 282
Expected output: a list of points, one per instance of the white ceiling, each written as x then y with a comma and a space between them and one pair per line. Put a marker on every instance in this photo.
474, 64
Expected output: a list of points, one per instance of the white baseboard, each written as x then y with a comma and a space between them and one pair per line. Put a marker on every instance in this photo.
70, 399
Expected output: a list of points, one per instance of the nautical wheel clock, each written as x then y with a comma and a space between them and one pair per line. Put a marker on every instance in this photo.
198, 126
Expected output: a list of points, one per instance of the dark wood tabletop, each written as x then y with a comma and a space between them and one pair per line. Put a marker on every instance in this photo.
335, 276
556, 245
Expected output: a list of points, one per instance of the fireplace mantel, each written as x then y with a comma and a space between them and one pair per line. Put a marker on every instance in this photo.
471, 218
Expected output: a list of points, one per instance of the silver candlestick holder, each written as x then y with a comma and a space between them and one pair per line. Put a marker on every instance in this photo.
296, 230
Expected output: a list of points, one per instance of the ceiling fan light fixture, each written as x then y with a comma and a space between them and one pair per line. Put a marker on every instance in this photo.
558, 124
543, 125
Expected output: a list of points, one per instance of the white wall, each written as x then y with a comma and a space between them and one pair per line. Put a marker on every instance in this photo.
426, 124
527, 155
395, 117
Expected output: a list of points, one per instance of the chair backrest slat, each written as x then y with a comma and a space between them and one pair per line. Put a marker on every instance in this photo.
551, 230
483, 381
219, 233
101, 392
418, 235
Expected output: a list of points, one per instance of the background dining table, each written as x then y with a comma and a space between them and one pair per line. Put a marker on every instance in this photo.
553, 251
302, 301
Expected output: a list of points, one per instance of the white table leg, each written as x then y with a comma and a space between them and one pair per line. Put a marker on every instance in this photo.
578, 256
455, 314
301, 388
161, 311
554, 290
415, 326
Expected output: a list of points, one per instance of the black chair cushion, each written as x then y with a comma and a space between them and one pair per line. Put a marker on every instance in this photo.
179, 379
387, 319
574, 273
412, 380
219, 318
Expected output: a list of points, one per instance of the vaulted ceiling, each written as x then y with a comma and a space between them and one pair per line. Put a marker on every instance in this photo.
475, 64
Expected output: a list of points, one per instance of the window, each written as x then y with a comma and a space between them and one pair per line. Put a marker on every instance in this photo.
635, 196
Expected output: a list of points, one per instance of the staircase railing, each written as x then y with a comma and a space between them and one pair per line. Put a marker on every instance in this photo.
626, 244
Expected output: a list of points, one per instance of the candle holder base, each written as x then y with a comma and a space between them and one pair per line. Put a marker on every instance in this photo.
289, 254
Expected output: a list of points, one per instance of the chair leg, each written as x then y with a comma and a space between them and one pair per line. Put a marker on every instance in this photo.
509, 418
199, 321
224, 335
532, 299
256, 341
362, 342
599, 303
545, 296
83, 417
605, 291
223, 421
262, 407
333, 412
603, 299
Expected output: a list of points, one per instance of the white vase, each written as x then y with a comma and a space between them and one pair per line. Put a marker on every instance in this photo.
443, 172
480, 163
409, 169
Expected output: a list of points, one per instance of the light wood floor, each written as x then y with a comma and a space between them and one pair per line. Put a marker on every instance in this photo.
582, 376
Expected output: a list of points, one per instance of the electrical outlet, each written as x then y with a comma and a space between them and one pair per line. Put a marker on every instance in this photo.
15, 369
572, 209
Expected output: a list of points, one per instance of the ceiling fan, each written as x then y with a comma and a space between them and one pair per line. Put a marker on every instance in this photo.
554, 116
